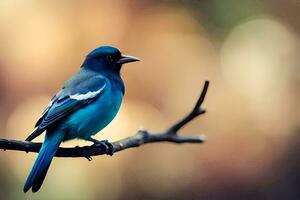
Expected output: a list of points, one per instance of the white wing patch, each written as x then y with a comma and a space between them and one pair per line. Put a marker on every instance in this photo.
86, 96
50, 104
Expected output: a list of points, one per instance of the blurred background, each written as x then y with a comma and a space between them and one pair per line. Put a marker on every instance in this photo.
248, 49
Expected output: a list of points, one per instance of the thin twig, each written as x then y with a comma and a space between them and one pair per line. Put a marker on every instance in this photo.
140, 138
193, 114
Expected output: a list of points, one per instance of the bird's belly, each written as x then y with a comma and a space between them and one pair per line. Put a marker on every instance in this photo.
91, 119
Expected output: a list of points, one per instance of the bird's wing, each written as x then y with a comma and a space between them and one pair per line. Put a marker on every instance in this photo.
68, 100
47, 108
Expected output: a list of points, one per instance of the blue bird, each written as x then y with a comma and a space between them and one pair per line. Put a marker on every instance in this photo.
86, 104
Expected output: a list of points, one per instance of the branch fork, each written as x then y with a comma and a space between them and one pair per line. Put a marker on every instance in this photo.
140, 138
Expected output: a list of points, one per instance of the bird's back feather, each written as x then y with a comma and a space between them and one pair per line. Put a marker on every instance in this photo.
73, 96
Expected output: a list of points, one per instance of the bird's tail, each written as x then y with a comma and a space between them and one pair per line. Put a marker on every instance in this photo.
42, 163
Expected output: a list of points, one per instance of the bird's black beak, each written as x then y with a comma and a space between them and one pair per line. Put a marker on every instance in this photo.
127, 59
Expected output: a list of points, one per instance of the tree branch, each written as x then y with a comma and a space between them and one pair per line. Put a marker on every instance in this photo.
140, 138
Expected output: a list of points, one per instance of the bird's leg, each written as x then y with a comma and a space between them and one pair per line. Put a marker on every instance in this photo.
108, 147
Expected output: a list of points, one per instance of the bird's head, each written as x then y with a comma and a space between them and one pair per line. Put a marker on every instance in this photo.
107, 59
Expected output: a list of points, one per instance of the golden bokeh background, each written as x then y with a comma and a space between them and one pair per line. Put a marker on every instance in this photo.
249, 50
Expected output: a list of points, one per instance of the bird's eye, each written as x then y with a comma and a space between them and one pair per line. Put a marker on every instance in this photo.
110, 58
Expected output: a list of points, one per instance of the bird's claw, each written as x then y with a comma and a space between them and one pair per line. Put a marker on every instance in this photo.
106, 145
89, 158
